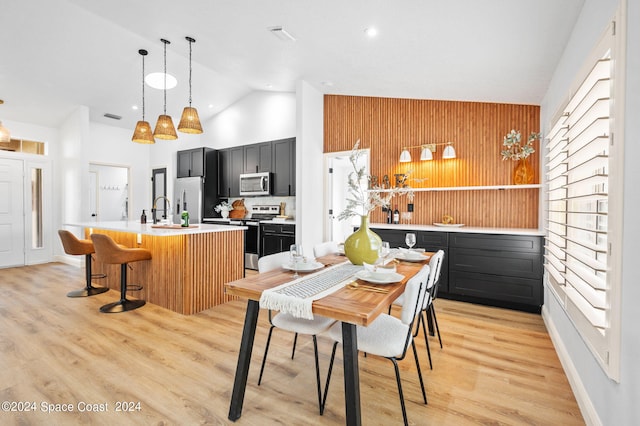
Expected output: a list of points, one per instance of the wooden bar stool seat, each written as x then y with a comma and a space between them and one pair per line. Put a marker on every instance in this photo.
109, 252
76, 247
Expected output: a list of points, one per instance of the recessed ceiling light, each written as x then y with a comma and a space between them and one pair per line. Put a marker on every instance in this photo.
371, 31
156, 80
269, 86
210, 105
134, 107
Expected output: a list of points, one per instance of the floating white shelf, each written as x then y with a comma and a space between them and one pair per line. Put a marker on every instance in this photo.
472, 188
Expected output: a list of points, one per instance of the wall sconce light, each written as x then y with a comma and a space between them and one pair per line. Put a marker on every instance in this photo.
427, 150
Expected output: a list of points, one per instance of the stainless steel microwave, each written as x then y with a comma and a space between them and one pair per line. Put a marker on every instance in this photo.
256, 183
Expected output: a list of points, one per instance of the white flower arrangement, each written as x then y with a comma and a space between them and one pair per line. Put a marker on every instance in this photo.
363, 199
223, 207
514, 150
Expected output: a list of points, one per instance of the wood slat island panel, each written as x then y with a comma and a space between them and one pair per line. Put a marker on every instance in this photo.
187, 272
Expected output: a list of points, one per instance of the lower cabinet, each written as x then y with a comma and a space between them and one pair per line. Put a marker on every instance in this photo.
276, 238
494, 269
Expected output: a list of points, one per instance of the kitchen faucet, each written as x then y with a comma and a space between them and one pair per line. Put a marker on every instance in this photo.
155, 206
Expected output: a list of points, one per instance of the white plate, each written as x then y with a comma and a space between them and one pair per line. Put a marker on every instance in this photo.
304, 267
403, 256
393, 277
451, 225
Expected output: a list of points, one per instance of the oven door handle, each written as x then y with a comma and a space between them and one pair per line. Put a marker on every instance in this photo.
252, 224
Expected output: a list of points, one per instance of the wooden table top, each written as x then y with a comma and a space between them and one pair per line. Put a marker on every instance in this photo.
356, 306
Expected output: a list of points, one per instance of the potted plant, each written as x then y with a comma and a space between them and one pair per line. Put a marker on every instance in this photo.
363, 197
515, 149
223, 208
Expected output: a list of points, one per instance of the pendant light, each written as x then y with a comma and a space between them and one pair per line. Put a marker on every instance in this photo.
142, 133
5, 136
190, 122
164, 126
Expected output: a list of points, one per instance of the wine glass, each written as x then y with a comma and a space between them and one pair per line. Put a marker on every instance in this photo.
383, 251
410, 239
296, 254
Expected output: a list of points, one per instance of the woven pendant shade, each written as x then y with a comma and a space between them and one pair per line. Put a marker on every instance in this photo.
142, 133
5, 136
190, 122
165, 128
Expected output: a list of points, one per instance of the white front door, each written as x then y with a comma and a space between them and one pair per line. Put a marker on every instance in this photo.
11, 213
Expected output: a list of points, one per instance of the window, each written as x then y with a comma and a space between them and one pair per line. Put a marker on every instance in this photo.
582, 245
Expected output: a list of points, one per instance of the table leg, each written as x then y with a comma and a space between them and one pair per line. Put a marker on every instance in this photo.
244, 359
351, 375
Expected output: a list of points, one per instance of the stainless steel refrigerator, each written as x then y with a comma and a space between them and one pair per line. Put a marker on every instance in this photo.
187, 195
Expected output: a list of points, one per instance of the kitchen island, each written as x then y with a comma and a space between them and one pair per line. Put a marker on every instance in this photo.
189, 266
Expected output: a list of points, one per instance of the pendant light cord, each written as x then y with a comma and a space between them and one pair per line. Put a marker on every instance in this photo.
190, 41
143, 54
165, 76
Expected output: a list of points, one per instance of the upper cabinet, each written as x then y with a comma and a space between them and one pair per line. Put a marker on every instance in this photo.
257, 158
283, 154
277, 157
191, 162
230, 166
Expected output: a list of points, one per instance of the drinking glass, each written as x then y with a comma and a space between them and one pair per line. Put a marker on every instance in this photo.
384, 251
296, 254
410, 239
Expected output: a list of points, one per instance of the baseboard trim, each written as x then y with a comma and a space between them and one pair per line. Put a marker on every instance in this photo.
587, 409
77, 261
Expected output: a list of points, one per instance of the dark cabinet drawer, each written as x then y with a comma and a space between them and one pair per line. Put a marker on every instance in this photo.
492, 242
505, 263
512, 290
278, 228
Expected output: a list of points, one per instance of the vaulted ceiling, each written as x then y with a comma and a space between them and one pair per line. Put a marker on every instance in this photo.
58, 54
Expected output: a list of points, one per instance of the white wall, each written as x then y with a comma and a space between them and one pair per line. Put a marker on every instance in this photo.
309, 164
258, 117
602, 400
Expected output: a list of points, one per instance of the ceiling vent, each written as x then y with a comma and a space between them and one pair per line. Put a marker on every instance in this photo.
113, 116
281, 33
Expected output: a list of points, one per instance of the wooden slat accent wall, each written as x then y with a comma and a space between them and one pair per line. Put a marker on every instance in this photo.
186, 274
386, 125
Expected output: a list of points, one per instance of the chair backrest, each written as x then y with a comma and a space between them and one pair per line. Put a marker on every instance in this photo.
414, 295
435, 265
272, 261
323, 249
73, 245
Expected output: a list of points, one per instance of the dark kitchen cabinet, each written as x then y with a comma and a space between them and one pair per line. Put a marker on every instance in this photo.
230, 166
276, 237
257, 158
506, 269
283, 160
494, 269
191, 162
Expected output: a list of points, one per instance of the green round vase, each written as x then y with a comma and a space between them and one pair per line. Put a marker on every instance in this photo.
362, 245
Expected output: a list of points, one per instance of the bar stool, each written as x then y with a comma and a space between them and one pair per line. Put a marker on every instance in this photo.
75, 247
109, 252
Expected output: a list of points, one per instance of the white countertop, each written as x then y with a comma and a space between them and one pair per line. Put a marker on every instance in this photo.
227, 220
148, 228
466, 229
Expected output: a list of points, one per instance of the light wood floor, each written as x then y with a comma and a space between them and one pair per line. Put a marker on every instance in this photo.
497, 366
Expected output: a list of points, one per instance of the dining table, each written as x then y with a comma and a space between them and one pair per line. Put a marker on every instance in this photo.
352, 306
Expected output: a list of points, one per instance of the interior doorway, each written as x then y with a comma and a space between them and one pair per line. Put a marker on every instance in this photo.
108, 193
337, 169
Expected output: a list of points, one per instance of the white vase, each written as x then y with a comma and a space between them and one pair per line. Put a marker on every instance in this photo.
225, 213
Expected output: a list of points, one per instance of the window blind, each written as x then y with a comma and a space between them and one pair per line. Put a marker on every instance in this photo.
577, 172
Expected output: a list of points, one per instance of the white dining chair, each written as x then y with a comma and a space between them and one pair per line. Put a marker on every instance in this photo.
288, 322
388, 336
435, 265
323, 249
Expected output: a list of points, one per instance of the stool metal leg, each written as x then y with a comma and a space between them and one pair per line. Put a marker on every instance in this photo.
123, 304
89, 290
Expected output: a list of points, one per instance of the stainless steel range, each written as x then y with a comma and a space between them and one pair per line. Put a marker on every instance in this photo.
252, 236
